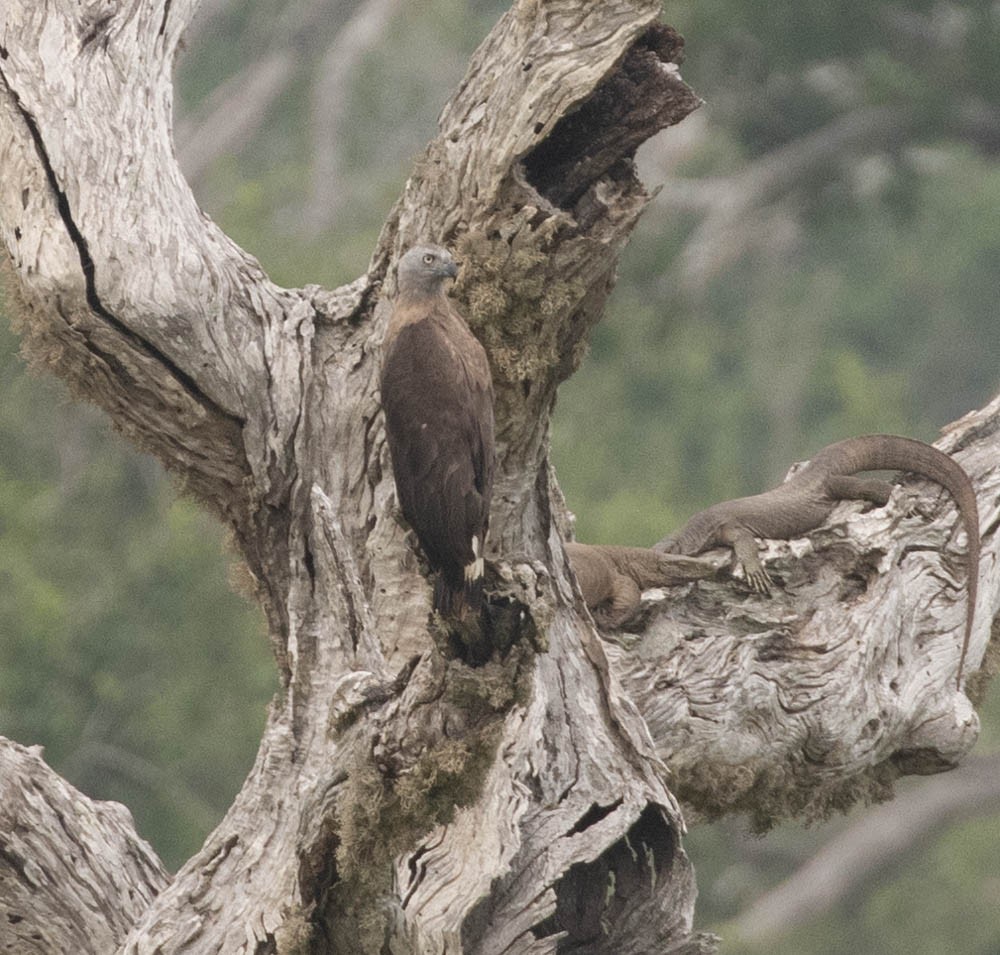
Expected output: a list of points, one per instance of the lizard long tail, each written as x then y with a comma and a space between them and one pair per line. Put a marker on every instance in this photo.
876, 452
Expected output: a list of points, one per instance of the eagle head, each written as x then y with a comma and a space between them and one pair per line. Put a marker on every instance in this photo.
424, 268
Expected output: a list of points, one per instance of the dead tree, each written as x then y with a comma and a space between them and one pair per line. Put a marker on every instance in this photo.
404, 800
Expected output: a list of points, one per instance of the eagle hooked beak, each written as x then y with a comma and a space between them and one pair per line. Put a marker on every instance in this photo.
450, 269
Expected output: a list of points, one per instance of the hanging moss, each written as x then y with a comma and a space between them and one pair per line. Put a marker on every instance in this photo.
517, 301
769, 794
384, 811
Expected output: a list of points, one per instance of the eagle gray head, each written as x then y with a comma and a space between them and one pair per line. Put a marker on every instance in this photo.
424, 268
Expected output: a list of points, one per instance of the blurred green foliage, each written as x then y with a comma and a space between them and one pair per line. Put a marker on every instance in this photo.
123, 650
885, 323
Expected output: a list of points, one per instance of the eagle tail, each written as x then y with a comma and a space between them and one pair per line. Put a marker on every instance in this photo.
472, 594
456, 598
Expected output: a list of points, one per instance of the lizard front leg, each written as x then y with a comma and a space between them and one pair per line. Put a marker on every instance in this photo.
744, 546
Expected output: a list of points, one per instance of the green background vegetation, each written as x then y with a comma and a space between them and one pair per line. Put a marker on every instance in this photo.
863, 297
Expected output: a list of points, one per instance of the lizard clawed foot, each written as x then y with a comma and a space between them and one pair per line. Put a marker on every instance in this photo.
759, 581
912, 504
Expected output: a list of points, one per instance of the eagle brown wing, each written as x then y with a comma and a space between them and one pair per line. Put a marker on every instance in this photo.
437, 395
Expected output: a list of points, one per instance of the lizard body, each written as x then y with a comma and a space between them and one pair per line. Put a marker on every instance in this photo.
807, 498
613, 578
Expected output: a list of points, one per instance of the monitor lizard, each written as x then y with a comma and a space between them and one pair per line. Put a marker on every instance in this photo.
807, 498
612, 578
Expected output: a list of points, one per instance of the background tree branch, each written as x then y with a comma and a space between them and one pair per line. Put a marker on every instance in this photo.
331, 89
226, 122
876, 842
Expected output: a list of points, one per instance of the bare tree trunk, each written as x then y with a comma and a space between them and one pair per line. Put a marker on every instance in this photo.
451, 808
403, 800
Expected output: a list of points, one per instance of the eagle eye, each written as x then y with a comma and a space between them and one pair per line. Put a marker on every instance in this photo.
429, 258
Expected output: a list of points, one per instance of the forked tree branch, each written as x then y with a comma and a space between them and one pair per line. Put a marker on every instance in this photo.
403, 799
385, 764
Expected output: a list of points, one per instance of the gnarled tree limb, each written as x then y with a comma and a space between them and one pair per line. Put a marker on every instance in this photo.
384, 766
74, 876
844, 678
402, 800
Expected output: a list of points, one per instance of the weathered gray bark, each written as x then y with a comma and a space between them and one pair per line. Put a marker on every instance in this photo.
74, 876
401, 800
398, 797
842, 680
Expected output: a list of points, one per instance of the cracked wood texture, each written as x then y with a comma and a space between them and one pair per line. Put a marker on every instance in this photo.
402, 800
74, 876
843, 679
